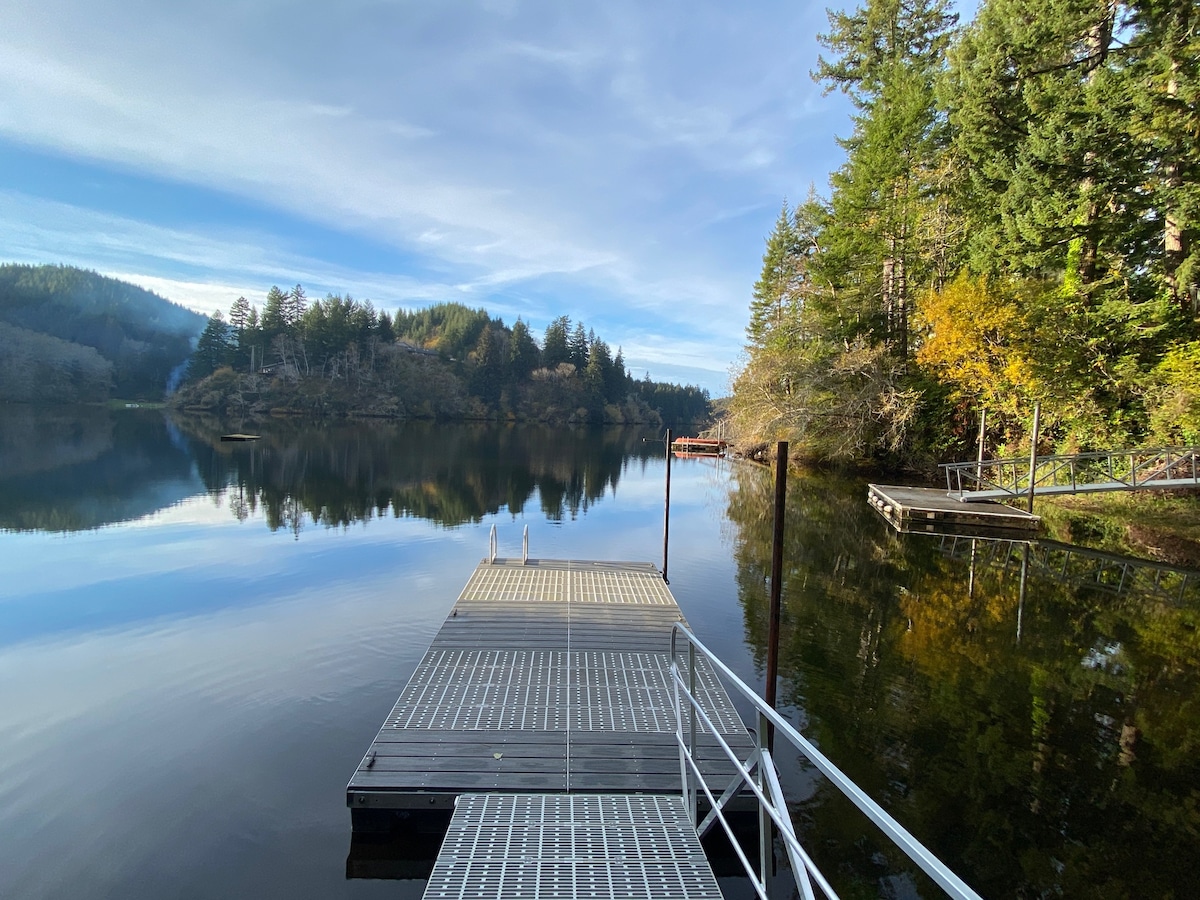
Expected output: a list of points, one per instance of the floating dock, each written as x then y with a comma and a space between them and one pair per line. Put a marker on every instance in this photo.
932, 510
696, 445
543, 714
240, 437
547, 675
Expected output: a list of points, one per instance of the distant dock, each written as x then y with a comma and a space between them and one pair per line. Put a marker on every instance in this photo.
929, 509
696, 445
240, 437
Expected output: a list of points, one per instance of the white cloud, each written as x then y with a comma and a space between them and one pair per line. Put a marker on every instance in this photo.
605, 148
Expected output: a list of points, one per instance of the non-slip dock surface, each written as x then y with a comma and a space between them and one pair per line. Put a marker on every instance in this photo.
600, 847
549, 676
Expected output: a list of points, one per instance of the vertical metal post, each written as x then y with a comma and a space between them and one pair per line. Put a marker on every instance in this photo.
1037, 420
667, 509
781, 461
766, 833
979, 453
693, 705
525, 546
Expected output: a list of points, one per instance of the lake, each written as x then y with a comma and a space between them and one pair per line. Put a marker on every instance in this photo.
198, 641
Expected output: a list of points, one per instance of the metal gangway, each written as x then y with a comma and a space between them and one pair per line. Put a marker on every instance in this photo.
1109, 573
758, 773
1161, 468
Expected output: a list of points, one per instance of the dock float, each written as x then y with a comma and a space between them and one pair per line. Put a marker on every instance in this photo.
543, 715
933, 510
710, 446
547, 676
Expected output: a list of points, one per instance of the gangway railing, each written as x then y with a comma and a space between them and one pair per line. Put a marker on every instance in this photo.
1074, 566
758, 773
1160, 468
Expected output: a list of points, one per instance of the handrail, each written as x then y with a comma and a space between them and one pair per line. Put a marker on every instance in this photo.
492, 545
914, 849
1067, 473
525, 546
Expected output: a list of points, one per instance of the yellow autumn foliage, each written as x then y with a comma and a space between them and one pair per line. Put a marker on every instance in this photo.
972, 334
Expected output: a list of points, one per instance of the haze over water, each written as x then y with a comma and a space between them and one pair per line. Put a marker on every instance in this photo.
198, 641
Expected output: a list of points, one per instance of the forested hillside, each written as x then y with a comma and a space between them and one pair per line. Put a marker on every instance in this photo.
339, 356
69, 335
1015, 221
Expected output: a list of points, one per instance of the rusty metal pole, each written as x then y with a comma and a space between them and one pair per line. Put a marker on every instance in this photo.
1037, 420
781, 461
667, 509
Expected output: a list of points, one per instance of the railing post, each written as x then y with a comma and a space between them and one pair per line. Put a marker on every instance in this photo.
1037, 418
525, 546
979, 454
693, 794
766, 834
492, 545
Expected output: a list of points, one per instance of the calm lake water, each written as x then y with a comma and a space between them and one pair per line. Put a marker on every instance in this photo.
199, 640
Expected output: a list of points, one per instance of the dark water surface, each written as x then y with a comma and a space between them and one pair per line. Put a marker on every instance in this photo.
199, 640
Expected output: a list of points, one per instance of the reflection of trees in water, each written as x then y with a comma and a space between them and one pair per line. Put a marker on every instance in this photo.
339, 474
68, 469
1062, 762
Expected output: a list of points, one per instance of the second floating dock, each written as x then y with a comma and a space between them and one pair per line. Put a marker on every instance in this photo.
930, 509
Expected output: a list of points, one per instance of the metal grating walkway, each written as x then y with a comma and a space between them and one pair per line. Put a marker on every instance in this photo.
570, 846
547, 676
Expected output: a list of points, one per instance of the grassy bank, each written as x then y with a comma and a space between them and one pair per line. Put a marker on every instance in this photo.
1161, 526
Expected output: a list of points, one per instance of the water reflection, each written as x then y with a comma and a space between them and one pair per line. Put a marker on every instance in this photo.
82, 469
1043, 742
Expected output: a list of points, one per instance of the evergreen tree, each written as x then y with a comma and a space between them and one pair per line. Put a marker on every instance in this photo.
212, 350
888, 54
239, 314
523, 356
578, 346
555, 349
384, 329
275, 313
295, 306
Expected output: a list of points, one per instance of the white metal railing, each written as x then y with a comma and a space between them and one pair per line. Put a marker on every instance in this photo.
758, 773
492, 545
1105, 470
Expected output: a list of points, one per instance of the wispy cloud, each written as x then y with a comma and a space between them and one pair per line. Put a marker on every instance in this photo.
503, 145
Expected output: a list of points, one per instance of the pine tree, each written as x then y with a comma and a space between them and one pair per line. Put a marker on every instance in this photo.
522, 352
212, 349
776, 286
295, 306
578, 346
554, 346
888, 54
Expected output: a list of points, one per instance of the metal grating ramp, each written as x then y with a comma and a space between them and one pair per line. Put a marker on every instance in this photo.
572, 847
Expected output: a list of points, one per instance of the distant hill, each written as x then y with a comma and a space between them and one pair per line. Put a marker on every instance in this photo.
93, 321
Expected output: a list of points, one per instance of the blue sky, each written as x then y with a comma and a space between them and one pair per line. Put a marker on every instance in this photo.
619, 163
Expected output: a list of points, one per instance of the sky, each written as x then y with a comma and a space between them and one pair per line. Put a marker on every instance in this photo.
620, 163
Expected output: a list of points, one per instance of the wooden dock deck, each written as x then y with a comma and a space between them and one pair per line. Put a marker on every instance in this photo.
933, 510
548, 676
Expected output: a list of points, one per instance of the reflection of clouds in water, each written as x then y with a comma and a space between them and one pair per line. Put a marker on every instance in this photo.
114, 735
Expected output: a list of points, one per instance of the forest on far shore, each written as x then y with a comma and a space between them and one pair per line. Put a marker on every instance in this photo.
338, 356
72, 336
